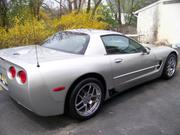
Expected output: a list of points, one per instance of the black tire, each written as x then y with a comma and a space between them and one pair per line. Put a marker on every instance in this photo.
165, 73
73, 112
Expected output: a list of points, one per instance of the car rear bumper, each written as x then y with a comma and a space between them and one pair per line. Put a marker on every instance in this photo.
36, 94
42, 107
42, 104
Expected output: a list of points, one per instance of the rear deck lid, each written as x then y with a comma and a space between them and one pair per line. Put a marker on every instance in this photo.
27, 55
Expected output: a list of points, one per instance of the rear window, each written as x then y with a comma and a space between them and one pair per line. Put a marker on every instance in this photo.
72, 42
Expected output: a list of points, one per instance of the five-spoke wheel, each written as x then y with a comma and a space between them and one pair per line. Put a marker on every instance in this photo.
170, 66
86, 98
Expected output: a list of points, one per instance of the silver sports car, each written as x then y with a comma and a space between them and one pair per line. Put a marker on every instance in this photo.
76, 70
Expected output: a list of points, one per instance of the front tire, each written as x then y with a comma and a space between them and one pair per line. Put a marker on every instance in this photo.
86, 99
170, 67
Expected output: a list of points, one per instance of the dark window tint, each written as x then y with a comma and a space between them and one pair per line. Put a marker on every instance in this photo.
71, 42
116, 44
136, 46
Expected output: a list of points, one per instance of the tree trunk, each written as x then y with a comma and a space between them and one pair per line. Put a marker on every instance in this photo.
3, 13
35, 6
60, 8
95, 7
79, 6
119, 12
131, 14
75, 4
69, 5
88, 6
38, 9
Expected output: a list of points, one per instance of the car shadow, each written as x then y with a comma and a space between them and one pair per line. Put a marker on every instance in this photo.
56, 122
49, 123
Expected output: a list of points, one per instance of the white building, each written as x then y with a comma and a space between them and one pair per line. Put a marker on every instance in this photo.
160, 22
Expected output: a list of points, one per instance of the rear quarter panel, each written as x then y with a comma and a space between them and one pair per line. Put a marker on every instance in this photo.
63, 73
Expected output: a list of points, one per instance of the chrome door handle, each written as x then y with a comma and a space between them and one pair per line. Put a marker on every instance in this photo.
118, 60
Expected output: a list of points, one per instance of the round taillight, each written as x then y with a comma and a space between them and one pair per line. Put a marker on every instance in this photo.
12, 71
22, 76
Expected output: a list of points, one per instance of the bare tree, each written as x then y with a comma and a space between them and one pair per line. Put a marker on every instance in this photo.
96, 6
61, 7
75, 4
131, 11
119, 12
70, 5
79, 6
116, 8
88, 6
35, 7
130, 6
3, 13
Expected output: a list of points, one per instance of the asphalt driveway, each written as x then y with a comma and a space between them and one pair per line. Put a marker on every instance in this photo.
150, 109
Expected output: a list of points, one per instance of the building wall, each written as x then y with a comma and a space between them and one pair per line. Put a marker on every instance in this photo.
147, 24
169, 23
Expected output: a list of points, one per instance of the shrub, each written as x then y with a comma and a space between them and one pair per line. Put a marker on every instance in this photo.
80, 20
29, 32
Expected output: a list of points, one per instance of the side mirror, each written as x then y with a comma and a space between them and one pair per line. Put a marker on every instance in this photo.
146, 51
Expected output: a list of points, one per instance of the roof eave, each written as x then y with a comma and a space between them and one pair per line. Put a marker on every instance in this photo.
147, 7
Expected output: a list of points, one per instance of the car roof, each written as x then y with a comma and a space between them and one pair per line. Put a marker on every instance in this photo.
94, 31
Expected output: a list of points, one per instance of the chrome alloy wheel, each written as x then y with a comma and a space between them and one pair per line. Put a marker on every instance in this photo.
171, 66
88, 99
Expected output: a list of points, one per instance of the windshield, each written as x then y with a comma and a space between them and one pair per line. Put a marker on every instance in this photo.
72, 42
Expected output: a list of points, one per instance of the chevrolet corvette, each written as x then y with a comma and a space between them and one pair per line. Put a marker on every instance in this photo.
75, 71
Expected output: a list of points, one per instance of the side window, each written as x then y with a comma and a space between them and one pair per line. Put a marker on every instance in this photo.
116, 44
136, 46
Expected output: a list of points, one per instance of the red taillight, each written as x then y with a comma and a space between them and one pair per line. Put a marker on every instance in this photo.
12, 71
22, 76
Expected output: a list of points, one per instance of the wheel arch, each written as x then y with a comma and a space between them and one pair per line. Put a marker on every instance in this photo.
175, 53
88, 75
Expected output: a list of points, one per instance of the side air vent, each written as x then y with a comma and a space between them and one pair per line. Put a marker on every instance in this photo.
159, 64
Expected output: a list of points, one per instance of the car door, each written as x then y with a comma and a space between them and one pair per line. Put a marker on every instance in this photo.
128, 61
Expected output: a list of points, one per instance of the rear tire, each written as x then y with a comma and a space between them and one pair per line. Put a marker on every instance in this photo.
86, 99
170, 66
